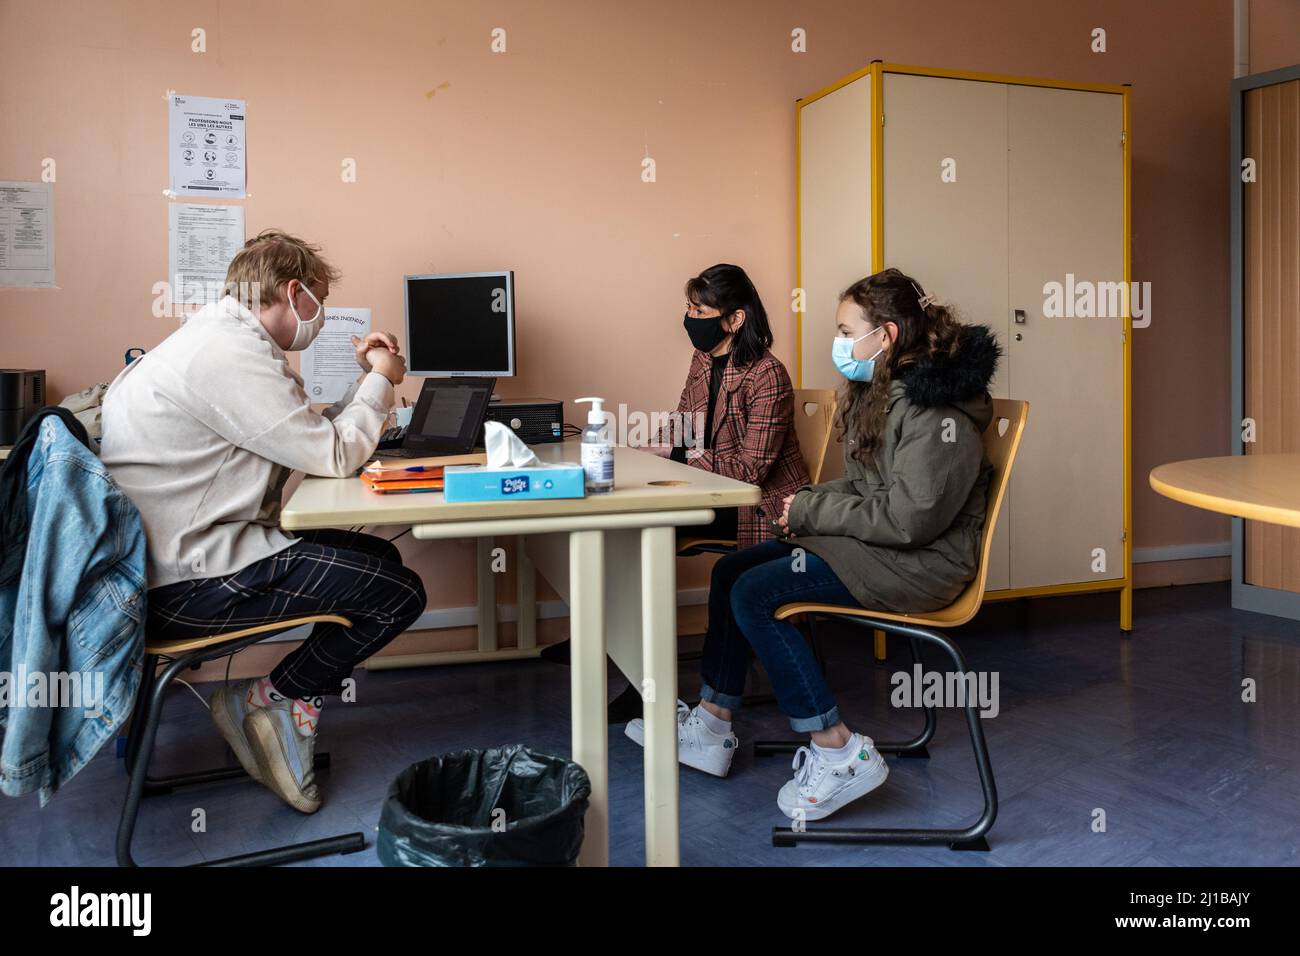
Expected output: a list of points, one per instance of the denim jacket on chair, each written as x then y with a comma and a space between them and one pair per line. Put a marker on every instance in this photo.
72, 622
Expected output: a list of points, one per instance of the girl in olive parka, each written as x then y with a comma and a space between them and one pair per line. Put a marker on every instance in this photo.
899, 532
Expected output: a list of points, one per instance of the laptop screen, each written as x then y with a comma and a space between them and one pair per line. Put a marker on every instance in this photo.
450, 412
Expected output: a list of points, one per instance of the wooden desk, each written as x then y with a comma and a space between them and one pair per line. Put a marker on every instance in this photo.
612, 557
1260, 487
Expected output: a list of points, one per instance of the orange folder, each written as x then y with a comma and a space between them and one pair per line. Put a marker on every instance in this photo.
407, 485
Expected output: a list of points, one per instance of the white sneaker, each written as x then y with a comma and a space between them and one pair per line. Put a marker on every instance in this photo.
819, 787
697, 746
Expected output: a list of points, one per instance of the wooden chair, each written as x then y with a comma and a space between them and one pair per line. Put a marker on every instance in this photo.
814, 414
147, 714
1001, 441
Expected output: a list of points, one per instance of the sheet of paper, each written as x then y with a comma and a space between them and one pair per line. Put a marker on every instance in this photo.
329, 364
206, 144
26, 235
202, 240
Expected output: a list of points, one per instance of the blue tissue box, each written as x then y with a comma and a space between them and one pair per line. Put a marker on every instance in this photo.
479, 483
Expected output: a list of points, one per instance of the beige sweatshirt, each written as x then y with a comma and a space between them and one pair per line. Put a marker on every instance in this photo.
203, 431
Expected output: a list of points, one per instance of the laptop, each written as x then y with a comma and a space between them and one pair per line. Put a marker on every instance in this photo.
448, 418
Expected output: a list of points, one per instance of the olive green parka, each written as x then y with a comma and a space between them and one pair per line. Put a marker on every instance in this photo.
903, 532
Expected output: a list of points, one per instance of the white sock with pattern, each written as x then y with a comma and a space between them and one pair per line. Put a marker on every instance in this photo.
262, 693
306, 712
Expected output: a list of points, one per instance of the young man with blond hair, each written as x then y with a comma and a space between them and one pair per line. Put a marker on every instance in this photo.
202, 433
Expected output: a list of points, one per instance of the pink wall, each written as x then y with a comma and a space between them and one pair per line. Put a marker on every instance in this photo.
1274, 34
531, 160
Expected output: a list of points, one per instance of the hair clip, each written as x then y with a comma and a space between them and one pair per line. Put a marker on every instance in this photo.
925, 300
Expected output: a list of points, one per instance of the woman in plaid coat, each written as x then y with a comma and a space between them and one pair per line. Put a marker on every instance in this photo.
735, 416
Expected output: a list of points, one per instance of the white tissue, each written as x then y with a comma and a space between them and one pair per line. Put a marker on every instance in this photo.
505, 449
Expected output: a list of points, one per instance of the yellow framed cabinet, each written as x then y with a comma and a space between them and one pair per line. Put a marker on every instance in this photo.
1008, 198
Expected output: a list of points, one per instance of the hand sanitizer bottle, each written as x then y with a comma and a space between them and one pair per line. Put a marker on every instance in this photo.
597, 450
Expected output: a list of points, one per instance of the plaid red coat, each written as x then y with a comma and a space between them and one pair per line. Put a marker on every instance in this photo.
753, 435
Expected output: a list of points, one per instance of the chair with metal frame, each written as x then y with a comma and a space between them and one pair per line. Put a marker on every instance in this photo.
147, 714
1001, 442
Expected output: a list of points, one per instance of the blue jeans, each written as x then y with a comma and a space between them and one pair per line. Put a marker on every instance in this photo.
746, 589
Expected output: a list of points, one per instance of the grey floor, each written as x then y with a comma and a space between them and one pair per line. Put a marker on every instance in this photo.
1151, 730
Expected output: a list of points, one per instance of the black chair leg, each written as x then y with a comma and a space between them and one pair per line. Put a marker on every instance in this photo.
140, 709
816, 646
156, 786
140, 745
972, 837
914, 748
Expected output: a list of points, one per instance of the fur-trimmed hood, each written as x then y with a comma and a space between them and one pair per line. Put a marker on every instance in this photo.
960, 380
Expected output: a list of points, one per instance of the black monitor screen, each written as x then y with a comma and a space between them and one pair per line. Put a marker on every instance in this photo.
460, 324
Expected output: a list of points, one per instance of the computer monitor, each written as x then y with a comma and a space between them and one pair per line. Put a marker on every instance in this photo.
461, 324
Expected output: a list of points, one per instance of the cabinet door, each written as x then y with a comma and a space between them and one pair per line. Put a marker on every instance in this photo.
945, 210
834, 218
1271, 312
1066, 227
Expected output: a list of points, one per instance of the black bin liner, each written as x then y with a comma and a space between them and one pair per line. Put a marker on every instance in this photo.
439, 812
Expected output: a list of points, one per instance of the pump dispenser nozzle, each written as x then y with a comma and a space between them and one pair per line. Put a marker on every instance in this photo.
597, 414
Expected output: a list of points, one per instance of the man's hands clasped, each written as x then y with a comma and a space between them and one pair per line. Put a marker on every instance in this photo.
379, 352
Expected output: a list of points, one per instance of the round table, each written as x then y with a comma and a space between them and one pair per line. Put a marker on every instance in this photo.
1260, 487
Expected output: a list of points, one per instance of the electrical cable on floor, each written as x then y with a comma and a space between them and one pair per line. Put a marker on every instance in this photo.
177, 680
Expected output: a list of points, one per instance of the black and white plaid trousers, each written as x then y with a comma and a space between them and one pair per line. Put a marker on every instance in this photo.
356, 575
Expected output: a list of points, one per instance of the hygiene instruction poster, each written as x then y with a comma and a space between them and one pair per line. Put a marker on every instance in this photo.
206, 144
329, 364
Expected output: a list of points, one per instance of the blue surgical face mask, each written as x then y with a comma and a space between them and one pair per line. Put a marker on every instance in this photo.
854, 369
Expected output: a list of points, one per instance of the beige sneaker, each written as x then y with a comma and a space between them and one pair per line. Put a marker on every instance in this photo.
229, 706
283, 755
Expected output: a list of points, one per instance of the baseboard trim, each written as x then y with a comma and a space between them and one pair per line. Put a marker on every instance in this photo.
1182, 552
440, 618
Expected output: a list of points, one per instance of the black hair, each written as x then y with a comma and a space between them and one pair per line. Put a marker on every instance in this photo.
727, 288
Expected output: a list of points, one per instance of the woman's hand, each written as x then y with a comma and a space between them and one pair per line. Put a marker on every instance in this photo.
374, 340
784, 520
663, 451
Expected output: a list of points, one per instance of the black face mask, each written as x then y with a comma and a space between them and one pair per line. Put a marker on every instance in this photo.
706, 334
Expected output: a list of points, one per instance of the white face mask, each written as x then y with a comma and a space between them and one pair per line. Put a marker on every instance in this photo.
307, 329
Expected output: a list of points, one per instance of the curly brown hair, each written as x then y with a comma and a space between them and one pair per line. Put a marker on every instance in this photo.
891, 296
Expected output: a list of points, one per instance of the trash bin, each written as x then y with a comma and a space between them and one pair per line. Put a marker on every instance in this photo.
507, 806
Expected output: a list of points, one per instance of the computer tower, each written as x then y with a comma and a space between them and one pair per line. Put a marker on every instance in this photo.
22, 392
534, 420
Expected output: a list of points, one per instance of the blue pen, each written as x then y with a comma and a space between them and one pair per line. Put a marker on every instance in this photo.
417, 468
